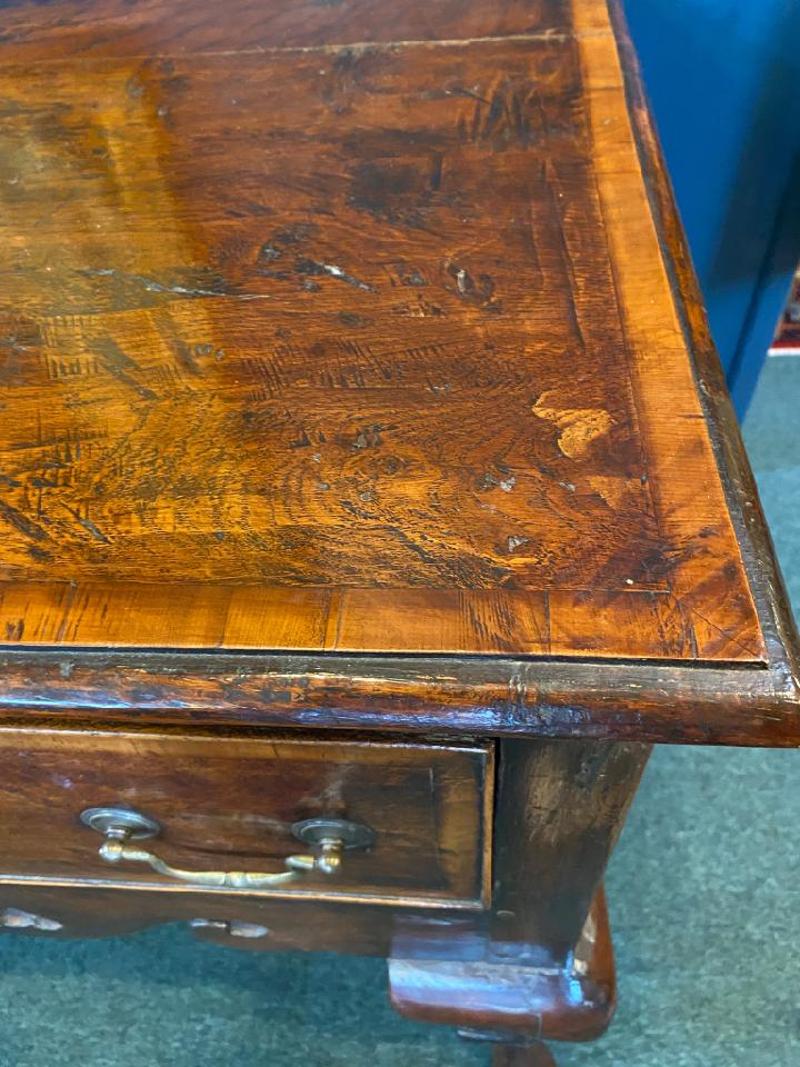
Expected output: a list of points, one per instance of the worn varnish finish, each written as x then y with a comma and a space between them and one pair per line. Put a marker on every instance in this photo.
360, 432
181, 494
364, 365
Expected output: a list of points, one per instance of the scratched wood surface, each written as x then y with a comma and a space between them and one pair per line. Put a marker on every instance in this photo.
229, 804
345, 327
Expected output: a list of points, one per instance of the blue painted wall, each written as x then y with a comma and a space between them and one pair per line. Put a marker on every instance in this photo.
723, 78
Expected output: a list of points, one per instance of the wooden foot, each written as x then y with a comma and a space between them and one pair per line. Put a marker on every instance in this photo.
476, 986
535, 1055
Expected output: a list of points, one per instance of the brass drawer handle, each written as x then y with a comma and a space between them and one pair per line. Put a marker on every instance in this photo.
330, 838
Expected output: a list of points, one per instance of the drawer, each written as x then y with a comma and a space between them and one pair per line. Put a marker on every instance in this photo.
413, 820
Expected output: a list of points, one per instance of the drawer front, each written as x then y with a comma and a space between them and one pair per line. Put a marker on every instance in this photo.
231, 804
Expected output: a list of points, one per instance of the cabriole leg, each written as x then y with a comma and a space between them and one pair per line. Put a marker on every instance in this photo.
539, 966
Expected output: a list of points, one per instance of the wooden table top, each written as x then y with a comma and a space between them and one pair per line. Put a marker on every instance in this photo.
357, 327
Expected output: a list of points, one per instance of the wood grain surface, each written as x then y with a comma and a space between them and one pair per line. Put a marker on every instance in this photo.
229, 804
327, 331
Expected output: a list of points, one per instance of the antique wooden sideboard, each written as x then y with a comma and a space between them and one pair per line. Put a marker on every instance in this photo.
370, 497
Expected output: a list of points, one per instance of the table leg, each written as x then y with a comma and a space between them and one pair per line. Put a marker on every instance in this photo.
535, 1055
538, 964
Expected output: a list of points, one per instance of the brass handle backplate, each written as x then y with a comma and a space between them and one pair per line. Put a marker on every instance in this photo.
16, 919
329, 839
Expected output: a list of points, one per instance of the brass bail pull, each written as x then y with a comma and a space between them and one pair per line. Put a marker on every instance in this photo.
329, 839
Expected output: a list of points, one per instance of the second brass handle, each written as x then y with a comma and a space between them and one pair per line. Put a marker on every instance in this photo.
330, 838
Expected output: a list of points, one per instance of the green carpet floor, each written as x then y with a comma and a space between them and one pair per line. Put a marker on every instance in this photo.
705, 906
